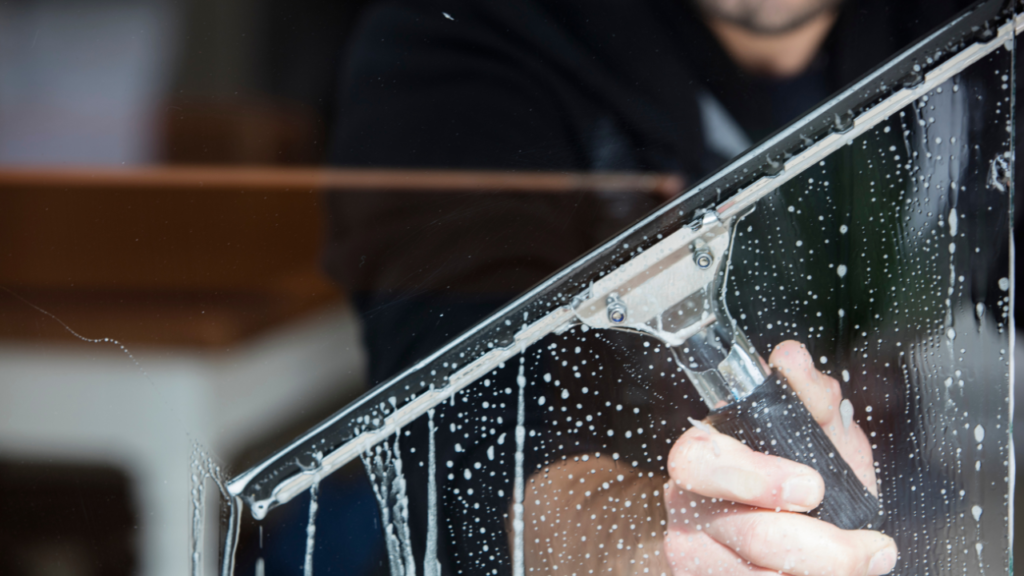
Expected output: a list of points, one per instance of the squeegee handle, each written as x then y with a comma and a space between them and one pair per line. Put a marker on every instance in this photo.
774, 421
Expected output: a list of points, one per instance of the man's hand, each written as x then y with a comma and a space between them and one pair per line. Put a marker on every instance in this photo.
731, 510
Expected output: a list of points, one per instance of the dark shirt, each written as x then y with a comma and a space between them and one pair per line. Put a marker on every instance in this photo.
555, 85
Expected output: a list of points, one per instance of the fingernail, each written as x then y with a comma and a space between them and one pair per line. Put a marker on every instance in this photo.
804, 491
882, 562
742, 484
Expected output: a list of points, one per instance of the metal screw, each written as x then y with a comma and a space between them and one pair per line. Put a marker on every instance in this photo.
702, 256
616, 309
704, 259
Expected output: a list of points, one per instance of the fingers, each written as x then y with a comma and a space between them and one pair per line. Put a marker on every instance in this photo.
691, 551
799, 544
729, 506
717, 466
696, 553
738, 539
819, 393
823, 398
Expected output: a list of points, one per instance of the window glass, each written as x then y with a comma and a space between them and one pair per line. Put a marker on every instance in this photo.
473, 287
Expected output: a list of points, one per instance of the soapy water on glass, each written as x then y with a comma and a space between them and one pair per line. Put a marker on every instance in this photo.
895, 305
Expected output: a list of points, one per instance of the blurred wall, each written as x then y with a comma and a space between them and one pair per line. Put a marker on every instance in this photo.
82, 82
185, 81
136, 324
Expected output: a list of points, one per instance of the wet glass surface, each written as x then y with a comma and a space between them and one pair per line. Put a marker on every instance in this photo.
220, 224
888, 260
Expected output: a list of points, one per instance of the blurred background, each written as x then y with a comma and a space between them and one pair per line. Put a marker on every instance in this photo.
225, 336
143, 328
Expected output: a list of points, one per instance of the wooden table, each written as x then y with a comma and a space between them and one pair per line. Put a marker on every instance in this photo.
198, 255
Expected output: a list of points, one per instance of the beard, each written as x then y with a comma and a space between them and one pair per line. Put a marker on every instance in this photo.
768, 17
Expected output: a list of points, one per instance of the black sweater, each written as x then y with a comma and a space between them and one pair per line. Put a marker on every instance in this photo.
572, 85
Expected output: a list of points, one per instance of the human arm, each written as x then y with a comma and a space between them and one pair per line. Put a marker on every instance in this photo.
597, 515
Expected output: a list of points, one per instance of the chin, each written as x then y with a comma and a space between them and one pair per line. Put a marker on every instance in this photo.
767, 16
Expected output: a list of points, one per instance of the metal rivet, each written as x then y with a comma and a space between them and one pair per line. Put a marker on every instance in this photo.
616, 309
703, 258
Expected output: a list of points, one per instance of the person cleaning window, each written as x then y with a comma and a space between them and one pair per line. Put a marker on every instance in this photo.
676, 86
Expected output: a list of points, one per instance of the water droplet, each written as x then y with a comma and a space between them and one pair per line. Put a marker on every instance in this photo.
979, 433
700, 425
976, 511
1004, 284
846, 375
843, 229
952, 222
846, 412
841, 270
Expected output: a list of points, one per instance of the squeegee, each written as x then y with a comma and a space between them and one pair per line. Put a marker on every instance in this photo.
663, 277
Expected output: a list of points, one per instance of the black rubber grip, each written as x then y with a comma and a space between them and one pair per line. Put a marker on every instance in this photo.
773, 420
